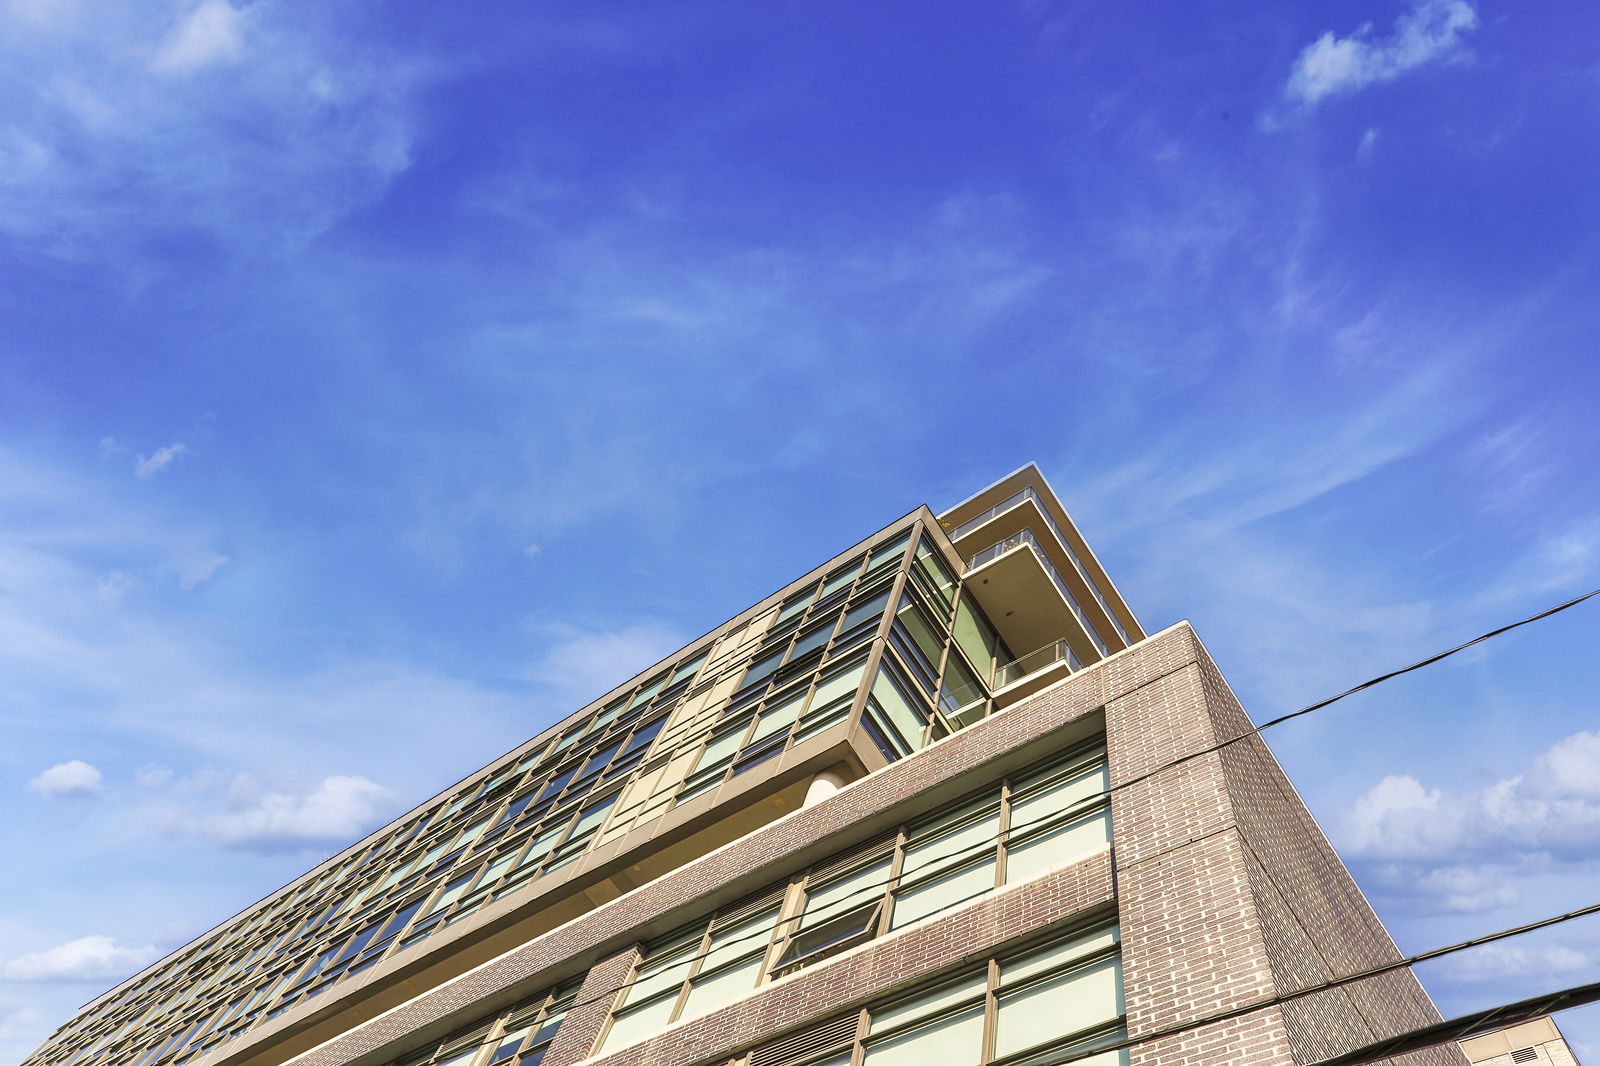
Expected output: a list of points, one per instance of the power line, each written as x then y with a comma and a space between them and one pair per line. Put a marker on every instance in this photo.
1088, 802
1339, 982
1468, 1025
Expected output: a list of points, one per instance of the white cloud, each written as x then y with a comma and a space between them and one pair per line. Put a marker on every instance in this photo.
108, 141
89, 958
1550, 810
18, 1024
1431, 30
1460, 888
338, 811
68, 779
157, 461
200, 572
212, 33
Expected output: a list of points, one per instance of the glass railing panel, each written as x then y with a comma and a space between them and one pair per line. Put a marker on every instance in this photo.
1026, 536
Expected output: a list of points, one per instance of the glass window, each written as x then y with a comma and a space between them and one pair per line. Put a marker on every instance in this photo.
1023, 1009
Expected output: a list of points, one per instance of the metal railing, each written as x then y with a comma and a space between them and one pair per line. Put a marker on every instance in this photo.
1026, 536
1038, 659
959, 701
1028, 493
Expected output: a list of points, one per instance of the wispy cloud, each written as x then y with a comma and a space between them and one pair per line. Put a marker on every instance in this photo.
1432, 30
201, 571
90, 958
578, 665
212, 33
72, 779
111, 137
149, 466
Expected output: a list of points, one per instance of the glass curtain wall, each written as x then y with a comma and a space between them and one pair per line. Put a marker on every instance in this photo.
719, 709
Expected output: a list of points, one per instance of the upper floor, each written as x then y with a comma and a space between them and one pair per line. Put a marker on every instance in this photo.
921, 629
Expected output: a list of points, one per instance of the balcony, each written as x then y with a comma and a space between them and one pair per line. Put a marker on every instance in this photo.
1011, 681
1028, 495
1025, 536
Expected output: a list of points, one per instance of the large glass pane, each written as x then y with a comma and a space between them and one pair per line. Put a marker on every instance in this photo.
954, 1040
711, 991
840, 578
688, 669
835, 897
722, 747
1057, 955
636, 1023
951, 839
1033, 806
863, 611
977, 638
750, 936
836, 687
961, 686
1077, 839
1058, 1006
936, 572
665, 968
779, 717
907, 719
931, 1002
928, 643
812, 639
935, 894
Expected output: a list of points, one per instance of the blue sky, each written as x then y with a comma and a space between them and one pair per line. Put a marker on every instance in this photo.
380, 382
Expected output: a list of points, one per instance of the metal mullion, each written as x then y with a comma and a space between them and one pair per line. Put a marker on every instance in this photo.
991, 1009
858, 1052
695, 963
896, 864
790, 910
1002, 841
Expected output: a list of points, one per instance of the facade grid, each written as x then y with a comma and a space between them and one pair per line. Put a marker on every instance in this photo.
874, 819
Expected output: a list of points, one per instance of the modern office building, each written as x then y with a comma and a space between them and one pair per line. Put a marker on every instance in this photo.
913, 807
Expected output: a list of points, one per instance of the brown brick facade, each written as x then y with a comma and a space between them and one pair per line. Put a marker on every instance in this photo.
1227, 892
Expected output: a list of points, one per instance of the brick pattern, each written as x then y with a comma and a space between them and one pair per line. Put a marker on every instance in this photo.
748, 864
591, 1008
1316, 922
1228, 895
880, 968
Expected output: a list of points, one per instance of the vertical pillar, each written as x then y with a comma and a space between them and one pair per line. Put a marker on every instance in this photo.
581, 1028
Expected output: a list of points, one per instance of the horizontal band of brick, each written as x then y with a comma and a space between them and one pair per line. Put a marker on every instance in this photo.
964, 760
881, 968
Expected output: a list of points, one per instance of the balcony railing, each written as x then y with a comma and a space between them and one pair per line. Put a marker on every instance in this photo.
1026, 536
964, 704
1028, 493
1017, 669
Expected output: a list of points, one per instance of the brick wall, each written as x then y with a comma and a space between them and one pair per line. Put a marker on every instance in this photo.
1230, 893
1227, 893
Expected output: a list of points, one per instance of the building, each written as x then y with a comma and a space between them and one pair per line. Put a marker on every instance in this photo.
1536, 1041
866, 820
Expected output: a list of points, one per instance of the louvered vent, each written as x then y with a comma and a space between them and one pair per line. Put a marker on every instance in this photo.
863, 854
750, 905
1525, 1054
832, 1035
